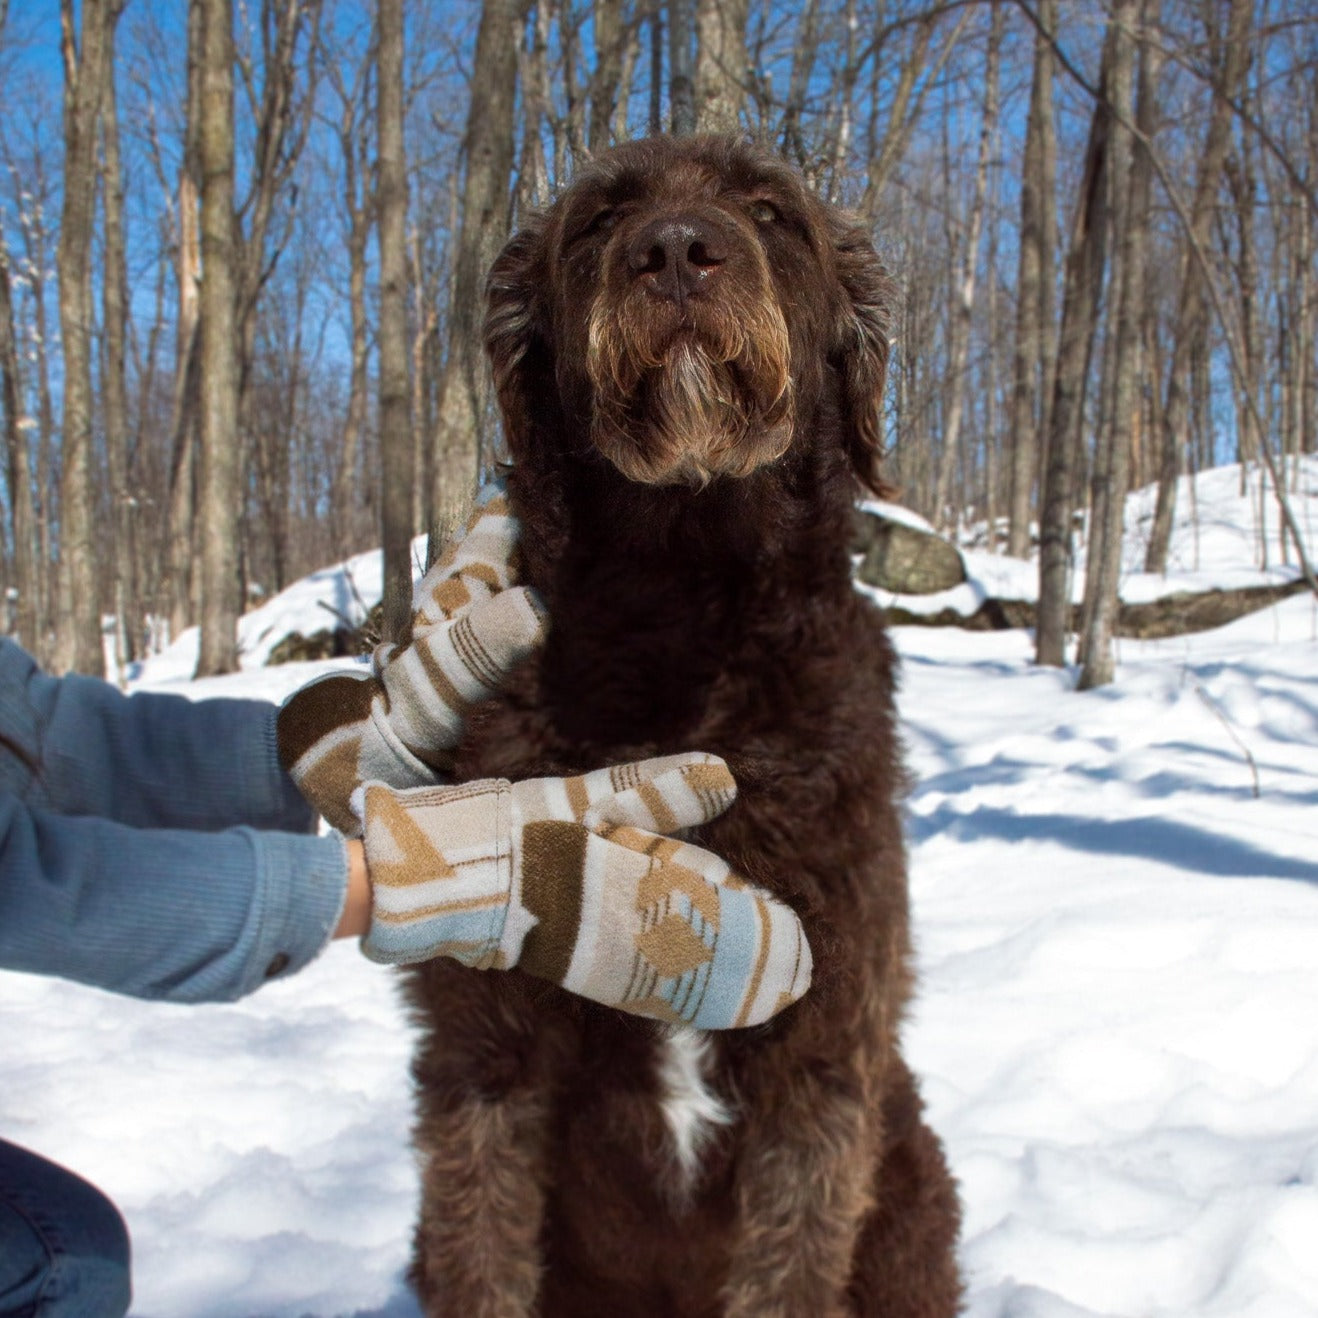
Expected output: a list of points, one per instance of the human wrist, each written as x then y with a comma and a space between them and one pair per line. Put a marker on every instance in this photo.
356, 915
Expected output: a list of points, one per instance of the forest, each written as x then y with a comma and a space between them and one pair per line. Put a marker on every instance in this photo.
242, 249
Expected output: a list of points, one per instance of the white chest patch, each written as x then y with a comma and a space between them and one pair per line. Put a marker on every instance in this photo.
691, 1109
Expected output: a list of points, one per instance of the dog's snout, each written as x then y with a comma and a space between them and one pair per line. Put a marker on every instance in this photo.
676, 255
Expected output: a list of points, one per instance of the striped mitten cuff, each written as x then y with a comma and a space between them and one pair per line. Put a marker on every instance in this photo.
576, 881
334, 734
470, 628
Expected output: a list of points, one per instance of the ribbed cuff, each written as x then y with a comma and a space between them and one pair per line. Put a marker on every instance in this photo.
303, 887
293, 811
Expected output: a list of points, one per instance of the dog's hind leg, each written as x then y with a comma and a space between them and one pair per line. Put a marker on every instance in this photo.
905, 1260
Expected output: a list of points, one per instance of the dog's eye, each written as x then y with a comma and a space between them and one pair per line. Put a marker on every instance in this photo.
764, 212
601, 222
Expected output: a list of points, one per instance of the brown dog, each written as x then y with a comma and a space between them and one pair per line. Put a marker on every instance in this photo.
689, 350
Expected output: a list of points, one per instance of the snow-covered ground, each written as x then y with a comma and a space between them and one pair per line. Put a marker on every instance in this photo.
1116, 907
1226, 536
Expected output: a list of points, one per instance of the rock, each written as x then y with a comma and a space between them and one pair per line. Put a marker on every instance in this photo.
296, 648
1172, 615
332, 643
902, 558
1177, 615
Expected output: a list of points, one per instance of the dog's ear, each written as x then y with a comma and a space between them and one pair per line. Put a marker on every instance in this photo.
516, 337
518, 340
862, 353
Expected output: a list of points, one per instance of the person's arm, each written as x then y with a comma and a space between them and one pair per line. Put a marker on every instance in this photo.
78, 746
161, 913
356, 917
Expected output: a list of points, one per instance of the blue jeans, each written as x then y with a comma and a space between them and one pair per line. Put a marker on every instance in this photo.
63, 1245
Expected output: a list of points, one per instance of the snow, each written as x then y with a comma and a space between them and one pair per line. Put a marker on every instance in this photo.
1116, 1025
1118, 1017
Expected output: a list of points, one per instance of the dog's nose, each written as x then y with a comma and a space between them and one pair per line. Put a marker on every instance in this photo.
676, 255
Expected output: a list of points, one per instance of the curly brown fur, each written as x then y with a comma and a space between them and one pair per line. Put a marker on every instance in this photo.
689, 350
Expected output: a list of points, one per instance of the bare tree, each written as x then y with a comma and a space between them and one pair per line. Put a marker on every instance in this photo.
845, 88
1231, 61
1081, 294
889, 134
681, 65
488, 148
1033, 291
114, 379
187, 278
395, 418
35, 196
535, 79
220, 488
963, 294
282, 122
86, 67
612, 35
18, 474
352, 131
805, 51
1128, 178
722, 72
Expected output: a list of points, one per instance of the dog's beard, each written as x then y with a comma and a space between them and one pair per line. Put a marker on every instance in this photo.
678, 402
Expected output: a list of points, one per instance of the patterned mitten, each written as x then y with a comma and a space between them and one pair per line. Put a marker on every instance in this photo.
397, 726
575, 880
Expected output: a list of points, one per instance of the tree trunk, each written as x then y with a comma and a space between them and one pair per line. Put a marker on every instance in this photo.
917, 76
465, 390
220, 487
1031, 299
572, 118
654, 121
992, 358
395, 417
1081, 295
359, 203
610, 41
18, 473
963, 303
681, 74
1191, 326
281, 129
115, 384
182, 581
1240, 178
722, 71
533, 183
1129, 175
805, 50
78, 622
1305, 367
35, 259
45, 495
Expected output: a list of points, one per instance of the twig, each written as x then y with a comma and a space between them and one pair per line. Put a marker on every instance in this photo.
368, 638
1213, 707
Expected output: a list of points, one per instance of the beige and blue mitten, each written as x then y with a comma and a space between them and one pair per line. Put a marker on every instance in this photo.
578, 881
470, 626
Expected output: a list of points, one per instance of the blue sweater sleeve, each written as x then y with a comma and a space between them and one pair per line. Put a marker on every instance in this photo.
163, 913
151, 760
152, 845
